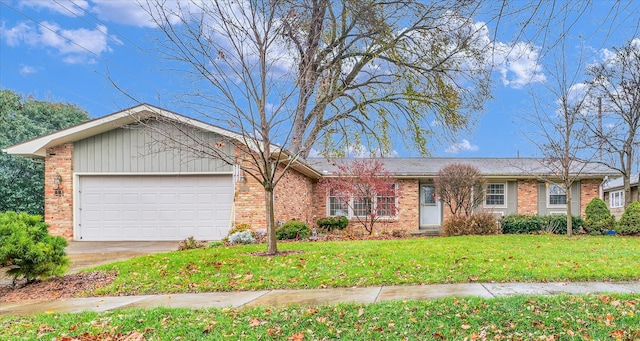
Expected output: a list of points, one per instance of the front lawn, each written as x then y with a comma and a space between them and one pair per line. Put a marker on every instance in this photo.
591, 317
504, 258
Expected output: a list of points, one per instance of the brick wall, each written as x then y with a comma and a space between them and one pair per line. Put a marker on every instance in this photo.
293, 200
58, 203
408, 205
589, 189
408, 214
527, 197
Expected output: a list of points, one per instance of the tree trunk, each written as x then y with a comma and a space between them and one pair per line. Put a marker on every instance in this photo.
272, 247
569, 213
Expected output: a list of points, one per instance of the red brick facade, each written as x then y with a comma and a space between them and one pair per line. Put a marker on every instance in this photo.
58, 199
293, 200
589, 189
527, 197
297, 197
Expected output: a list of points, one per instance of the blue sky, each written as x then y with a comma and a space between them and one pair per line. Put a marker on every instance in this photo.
64, 50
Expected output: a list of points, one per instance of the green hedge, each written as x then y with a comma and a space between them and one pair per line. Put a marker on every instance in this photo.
293, 230
333, 223
599, 219
629, 223
28, 248
527, 224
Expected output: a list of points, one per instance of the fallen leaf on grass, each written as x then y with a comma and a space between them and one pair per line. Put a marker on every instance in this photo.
296, 337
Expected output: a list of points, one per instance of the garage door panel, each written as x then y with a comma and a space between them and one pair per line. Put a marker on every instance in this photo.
154, 207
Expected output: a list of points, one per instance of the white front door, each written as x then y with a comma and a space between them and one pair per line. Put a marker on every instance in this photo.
430, 208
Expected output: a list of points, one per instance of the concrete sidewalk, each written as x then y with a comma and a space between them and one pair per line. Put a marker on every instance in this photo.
314, 297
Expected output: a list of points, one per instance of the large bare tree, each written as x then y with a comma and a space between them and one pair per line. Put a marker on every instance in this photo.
614, 90
560, 133
286, 75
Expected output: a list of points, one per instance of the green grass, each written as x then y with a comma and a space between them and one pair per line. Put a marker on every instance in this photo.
505, 258
591, 317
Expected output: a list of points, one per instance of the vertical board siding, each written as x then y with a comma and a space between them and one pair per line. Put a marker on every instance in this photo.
134, 150
512, 197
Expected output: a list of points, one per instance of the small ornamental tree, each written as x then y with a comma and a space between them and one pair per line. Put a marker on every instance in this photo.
629, 223
598, 217
461, 188
364, 188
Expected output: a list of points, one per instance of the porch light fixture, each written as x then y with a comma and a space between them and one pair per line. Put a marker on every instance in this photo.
57, 182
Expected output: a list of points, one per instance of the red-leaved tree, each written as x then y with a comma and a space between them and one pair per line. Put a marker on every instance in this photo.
364, 190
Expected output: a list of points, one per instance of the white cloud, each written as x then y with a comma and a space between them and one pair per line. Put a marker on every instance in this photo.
123, 12
65, 7
463, 146
517, 64
20, 33
75, 46
28, 70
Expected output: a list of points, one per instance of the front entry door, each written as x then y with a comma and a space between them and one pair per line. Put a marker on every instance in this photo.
429, 206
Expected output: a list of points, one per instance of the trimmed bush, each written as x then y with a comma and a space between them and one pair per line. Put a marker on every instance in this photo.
333, 223
527, 224
629, 223
477, 224
521, 224
560, 222
242, 237
28, 248
239, 228
599, 219
293, 230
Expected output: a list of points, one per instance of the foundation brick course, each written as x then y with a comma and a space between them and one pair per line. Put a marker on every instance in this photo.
58, 202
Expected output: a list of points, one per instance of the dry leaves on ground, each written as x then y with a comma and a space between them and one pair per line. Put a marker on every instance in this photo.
57, 287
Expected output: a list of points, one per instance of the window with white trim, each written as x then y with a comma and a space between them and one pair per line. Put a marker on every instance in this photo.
557, 195
361, 207
616, 199
495, 195
336, 206
384, 203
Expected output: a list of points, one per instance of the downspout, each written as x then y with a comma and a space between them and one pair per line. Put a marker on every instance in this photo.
601, 187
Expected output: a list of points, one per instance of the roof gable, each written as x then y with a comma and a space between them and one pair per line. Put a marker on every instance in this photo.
37, 147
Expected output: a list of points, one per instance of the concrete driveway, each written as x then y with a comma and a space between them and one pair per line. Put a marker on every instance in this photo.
88, 254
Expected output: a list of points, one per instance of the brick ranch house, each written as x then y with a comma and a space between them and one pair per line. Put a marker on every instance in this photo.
101, 183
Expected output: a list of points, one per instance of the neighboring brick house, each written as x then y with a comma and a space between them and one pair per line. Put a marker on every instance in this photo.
102, 183
613, 193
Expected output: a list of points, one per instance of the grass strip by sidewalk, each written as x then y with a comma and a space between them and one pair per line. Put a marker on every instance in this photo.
590, 317
504, 258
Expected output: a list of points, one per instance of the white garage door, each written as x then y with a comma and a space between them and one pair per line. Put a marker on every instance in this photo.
115, 208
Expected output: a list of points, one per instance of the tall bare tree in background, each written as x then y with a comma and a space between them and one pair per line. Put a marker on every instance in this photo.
560, 132
614, 91
287, 74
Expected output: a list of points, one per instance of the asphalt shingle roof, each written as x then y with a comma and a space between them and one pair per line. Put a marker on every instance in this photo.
420, 167
618, 182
